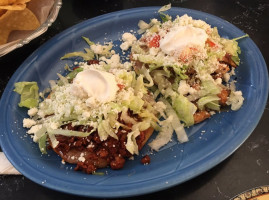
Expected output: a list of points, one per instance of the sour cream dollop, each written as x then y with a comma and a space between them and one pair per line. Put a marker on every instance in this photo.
180, 37
100, 85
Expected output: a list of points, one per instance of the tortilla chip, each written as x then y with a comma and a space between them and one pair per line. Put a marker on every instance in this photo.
6, 2
2, 12
13, 4
22, 1
14, 7
16, 20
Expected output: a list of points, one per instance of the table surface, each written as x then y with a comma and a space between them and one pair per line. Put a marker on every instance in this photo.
246, 168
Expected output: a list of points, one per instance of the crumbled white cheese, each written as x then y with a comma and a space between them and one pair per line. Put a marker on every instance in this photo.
128, 39
91, 145
218, 81
32, 111
113, 61
81, 157
28, 123
154, 21
54, 125
97, 48
91, 102
226, 77
34, 129
235, 100
86, 114
184, 88
212, 113
127, 65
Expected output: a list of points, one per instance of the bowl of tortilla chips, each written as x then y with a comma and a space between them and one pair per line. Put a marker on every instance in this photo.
23, 20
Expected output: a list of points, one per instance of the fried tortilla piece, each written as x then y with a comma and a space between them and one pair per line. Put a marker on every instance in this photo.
2, 12
90, 153
13, 4
200, 116
6, 2
227, 59
224, 95
16, 20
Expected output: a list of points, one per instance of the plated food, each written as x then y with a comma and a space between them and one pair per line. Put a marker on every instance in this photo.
209, 143
190, 64
104, 111
96, 116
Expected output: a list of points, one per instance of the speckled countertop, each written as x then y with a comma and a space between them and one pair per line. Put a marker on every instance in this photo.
247, 168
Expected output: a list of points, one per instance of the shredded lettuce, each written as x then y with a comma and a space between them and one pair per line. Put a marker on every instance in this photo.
53, 140
73, 74
165, 8
209, 87
126, 118
127, 77
136, 104
175, 122
139, 85
236, 59
98, 173
231, 47
87, 55
40, 133
164, 17
112, 119
150, 59
152, 27
63, 80
89, 42
180, 71
42, 144
241, 37
102, 132
66, 132
184, 109
202, 102
107, 128
164, 136
213, 105
142, 126
147, 114
131, 144
146, 73
156, 63
29, 94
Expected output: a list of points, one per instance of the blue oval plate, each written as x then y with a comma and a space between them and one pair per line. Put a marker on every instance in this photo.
210, 142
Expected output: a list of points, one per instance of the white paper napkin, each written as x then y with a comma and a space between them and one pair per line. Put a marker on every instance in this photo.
6, 167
